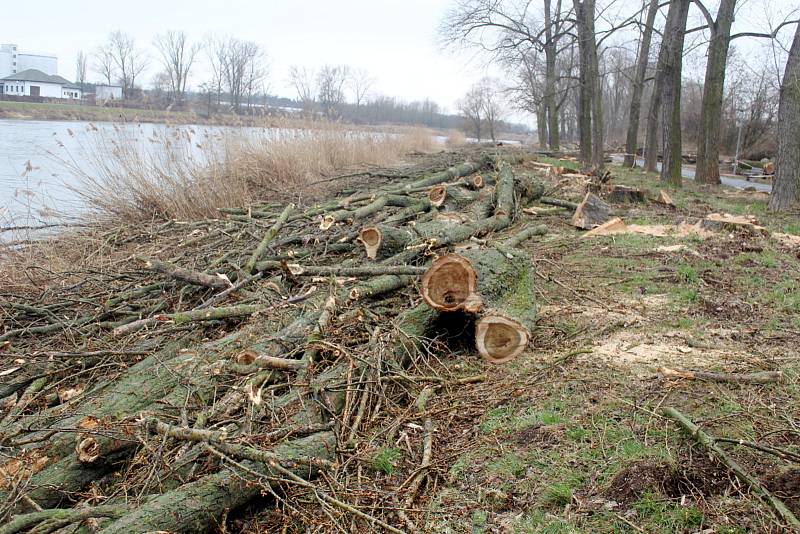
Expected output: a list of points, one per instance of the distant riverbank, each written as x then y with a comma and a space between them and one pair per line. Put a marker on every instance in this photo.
89, 113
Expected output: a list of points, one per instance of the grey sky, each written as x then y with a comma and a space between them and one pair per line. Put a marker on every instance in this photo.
393, 39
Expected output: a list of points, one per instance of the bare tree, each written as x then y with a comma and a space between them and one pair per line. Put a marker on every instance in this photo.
242, 67
215, 50
713, 91
493, 110
303, 81
472, 108
643, 58
786, 190
177, 58
330, 87
120, 58
360, 82
505, 27
671, 65
591, 98
81, 68
104, 64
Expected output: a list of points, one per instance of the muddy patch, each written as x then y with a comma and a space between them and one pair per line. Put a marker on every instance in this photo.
702, 477
786, 487
539, 436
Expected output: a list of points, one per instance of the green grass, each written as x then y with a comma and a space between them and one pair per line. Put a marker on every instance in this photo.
659, 515
386, 459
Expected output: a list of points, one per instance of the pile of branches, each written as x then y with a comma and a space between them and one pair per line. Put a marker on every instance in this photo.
268, 369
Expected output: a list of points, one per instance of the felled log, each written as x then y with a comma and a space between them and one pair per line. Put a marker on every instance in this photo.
710, 444
187, 275
268, 236
383, 240
496, 283
761, 377
591, 212
195, 506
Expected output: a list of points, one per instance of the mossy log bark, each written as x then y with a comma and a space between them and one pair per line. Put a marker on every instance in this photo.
197, 506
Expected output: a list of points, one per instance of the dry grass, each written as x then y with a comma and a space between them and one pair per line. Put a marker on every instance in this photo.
456, 138
178, 173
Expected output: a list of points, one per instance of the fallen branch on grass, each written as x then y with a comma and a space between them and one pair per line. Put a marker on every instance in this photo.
761, 377
709, 443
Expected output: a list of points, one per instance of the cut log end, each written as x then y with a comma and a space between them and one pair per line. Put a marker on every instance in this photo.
477, 181
450, 285
371, 238
327, 222
500, 339
437, 195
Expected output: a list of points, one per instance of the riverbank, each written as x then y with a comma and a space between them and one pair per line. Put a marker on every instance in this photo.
570, 436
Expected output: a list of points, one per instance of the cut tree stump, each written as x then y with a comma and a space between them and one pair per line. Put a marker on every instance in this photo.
592, 211
621, 194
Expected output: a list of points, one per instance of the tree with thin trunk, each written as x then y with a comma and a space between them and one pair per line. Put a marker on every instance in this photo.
104, 64
713, 91
242, 67
642, 61
786, 188
671, 168
552, 34
360, 82
331, 80
492, 106
126, 60
503, 28
177, 58
81, 68
302, 80
471, 107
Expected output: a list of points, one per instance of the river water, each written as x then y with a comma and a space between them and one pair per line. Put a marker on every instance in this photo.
43, 164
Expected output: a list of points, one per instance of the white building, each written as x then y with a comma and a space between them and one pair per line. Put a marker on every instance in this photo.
12, 61
108, 92
36, 83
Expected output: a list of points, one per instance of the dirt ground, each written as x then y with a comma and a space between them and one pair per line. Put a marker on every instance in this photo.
570, 436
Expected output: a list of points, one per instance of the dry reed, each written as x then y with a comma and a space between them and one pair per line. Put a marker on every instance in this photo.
178, 173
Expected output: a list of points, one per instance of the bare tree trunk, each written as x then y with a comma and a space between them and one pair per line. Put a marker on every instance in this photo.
671, 108
651, 135
787, 165
586, 83
598, 145
713, 92
550, 51
638, 86
541, 125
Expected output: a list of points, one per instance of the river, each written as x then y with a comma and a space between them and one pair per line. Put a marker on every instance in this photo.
41, 162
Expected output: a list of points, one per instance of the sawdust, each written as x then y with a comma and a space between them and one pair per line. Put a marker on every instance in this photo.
617, 226
643, 353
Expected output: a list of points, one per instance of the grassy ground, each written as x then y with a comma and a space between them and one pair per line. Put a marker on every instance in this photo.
570, 437
32, 110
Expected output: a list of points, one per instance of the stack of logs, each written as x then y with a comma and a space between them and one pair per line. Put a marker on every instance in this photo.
282, 386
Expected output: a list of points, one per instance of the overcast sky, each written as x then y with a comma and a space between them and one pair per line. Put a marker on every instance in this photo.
395, 40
